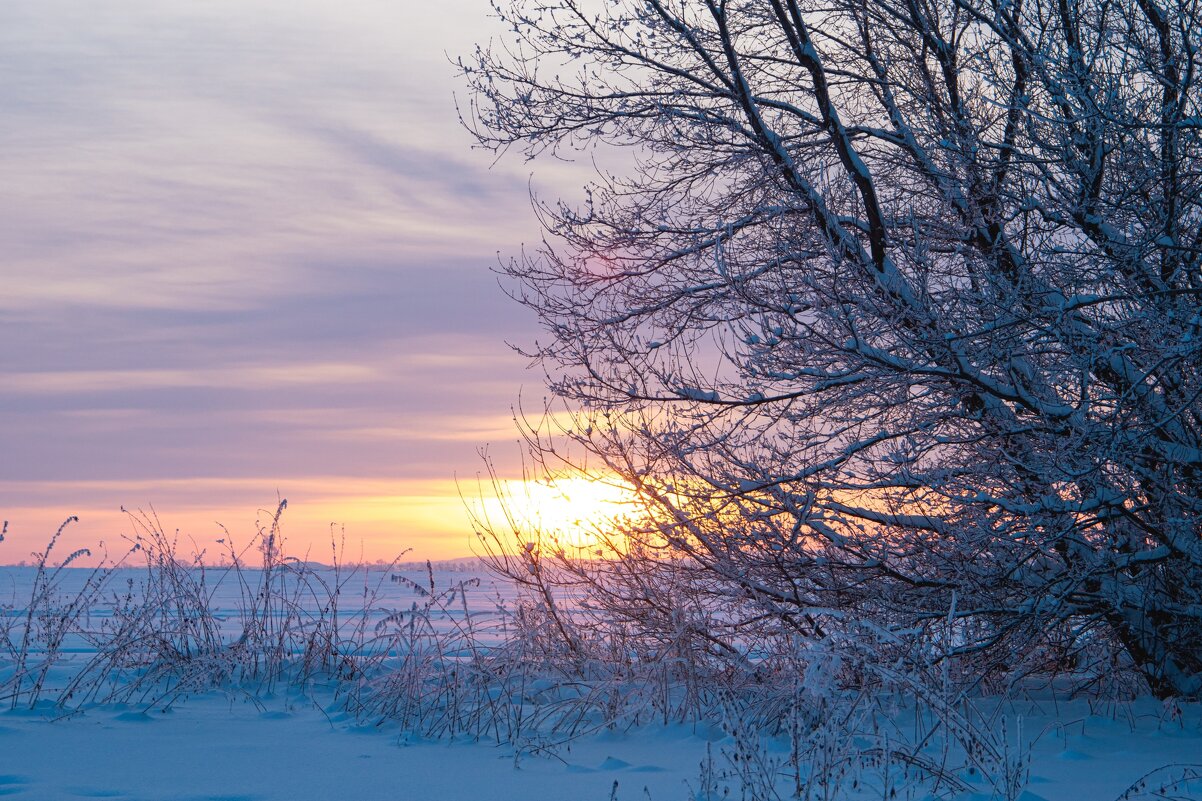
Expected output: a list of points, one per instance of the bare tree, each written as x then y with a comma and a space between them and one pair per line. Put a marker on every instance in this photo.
897, 309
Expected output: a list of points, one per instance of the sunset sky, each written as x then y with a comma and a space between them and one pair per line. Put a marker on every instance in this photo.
247, 251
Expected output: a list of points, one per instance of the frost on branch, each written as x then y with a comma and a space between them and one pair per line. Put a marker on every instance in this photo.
923, 279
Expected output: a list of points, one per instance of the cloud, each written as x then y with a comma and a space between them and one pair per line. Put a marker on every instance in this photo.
247, 238
237, 378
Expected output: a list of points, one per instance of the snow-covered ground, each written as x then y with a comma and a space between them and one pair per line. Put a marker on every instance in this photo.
289, 750
287, 746
214, 749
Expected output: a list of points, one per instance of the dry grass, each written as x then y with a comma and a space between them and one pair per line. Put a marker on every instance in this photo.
532, 674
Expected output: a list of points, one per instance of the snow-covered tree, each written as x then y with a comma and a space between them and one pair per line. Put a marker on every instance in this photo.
889, 308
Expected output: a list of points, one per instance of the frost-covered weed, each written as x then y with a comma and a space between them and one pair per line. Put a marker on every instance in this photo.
801, 720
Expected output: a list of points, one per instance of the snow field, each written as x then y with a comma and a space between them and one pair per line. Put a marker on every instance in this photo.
402, 704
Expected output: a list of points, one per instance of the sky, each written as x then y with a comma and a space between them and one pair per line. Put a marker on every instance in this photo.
248, 253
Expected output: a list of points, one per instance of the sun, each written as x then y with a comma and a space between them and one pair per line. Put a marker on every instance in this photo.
574, 511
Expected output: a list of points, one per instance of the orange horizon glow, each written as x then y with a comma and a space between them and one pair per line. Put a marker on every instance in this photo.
360, 520
366, 519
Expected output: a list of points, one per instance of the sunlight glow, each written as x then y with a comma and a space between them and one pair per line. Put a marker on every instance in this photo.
572, 512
